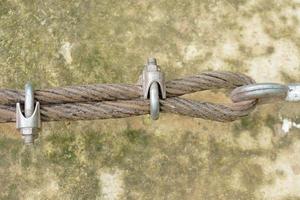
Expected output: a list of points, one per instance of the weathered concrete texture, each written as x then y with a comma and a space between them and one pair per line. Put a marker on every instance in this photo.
56, 43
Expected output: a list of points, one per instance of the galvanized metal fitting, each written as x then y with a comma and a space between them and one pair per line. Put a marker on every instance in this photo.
266, 92
293, 93
154, 86
29, 123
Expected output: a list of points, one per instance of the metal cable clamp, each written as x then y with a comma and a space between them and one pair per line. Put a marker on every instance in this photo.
29, 123
154, 86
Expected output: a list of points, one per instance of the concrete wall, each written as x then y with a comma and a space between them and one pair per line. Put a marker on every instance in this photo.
64, 42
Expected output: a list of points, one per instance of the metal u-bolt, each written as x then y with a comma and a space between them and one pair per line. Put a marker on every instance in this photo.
154, 94
154, 101
28, 111
29, 100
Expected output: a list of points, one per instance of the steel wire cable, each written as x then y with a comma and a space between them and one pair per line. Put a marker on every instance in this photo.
103, 101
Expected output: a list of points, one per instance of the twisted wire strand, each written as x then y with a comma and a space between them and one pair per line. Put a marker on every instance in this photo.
122, 109
113, 92
103, 101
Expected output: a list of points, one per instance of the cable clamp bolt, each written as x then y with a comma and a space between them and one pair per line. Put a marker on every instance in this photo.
154, 86
32, 120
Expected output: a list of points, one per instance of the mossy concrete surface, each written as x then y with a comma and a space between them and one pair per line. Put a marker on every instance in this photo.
64, 42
